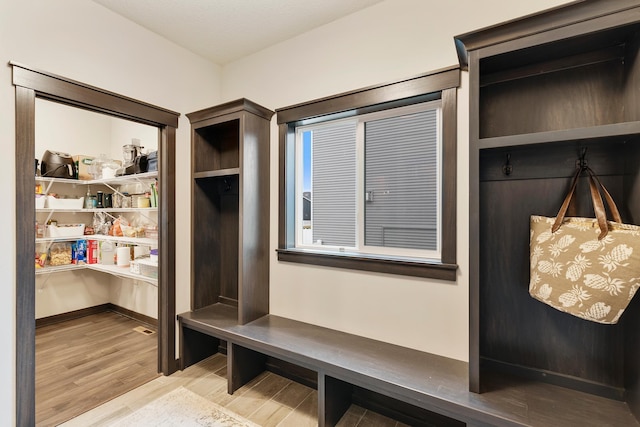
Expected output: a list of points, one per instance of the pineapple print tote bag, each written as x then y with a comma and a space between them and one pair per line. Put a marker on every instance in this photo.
587, 267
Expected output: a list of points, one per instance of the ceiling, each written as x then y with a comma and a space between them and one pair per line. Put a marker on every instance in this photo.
225, 30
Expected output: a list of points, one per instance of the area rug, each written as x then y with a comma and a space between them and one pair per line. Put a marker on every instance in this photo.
183, 408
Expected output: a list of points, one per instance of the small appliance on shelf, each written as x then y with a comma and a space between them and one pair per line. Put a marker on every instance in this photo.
56, 164
134, 160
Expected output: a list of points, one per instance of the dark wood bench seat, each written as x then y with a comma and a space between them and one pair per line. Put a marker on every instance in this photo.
433, 383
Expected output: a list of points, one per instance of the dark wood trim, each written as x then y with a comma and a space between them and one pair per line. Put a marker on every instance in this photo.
417, 268
230, 107
449, 174
434, 81
25, 248
31, 83
474, 231
167, 252
67, 91
557, 17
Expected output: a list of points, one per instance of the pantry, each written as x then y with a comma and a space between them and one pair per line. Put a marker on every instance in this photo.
96, 227
138, 209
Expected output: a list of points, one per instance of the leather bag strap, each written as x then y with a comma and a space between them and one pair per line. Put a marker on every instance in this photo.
598, 206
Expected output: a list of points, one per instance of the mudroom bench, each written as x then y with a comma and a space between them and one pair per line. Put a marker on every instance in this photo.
421, 388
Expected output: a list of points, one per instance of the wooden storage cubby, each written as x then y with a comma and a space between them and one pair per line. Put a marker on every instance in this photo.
217, 146
544, 90
230, 210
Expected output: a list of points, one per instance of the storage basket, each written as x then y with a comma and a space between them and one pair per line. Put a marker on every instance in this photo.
56, 203
66, 230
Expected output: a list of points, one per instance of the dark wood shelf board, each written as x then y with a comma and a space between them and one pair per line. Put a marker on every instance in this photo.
428, 381
611, 131
216, 173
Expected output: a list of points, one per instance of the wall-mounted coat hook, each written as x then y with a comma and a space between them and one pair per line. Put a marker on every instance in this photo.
507, 168
582, 161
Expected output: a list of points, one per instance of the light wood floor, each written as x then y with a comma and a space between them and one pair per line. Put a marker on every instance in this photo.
85, 362
268, 400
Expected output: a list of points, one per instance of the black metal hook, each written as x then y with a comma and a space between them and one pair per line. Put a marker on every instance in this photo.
507, 168
582, 161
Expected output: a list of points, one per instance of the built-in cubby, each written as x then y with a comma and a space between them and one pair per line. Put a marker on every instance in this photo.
547, 92
230, 210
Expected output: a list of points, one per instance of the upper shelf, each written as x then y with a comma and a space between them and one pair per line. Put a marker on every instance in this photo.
593, 133
114, 181
217, 173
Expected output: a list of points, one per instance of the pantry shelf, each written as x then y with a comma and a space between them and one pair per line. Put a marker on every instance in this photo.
113, 270
143, 241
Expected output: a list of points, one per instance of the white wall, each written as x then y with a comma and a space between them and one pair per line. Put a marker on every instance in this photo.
386, 42
83, 41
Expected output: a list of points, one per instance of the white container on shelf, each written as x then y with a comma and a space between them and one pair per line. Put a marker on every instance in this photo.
40, 201
55, 203
66, 230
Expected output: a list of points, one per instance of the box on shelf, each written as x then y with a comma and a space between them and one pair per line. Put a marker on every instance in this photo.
152, 161
151, 232
92, 251
57, 203
60, 254
83, 166
147, 267
66, 230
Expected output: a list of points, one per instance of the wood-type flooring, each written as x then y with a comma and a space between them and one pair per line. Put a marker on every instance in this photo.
269, 400
85, 362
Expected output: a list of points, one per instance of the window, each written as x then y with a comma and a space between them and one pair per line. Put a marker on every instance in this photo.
372, 186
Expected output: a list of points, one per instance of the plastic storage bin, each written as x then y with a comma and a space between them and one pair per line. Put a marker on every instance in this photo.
66, 230
56, 203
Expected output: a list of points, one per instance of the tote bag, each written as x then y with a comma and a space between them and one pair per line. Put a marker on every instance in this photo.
587, 267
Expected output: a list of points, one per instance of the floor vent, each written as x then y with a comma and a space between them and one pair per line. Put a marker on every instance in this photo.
144, 330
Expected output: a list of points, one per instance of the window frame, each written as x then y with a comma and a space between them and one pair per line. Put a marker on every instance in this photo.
437, 85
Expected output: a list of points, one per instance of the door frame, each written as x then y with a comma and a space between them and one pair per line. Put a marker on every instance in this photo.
30, 84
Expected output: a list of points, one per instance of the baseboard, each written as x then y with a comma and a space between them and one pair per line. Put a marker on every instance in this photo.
555, 378
71, 315
133, 315
96, 309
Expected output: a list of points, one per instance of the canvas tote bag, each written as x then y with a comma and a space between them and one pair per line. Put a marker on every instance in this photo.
587, 267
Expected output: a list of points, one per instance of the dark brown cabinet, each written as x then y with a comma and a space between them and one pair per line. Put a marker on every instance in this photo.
230, 210
544, 91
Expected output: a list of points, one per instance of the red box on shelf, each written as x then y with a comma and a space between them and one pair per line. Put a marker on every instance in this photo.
92, 252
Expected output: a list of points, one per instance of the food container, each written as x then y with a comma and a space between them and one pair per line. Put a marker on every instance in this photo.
151, 232
66, 230
60, 254
134, 267
40, 201
148, 268
153, 255
57, 203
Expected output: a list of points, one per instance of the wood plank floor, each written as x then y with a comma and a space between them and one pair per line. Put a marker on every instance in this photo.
268, 400
82, 363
